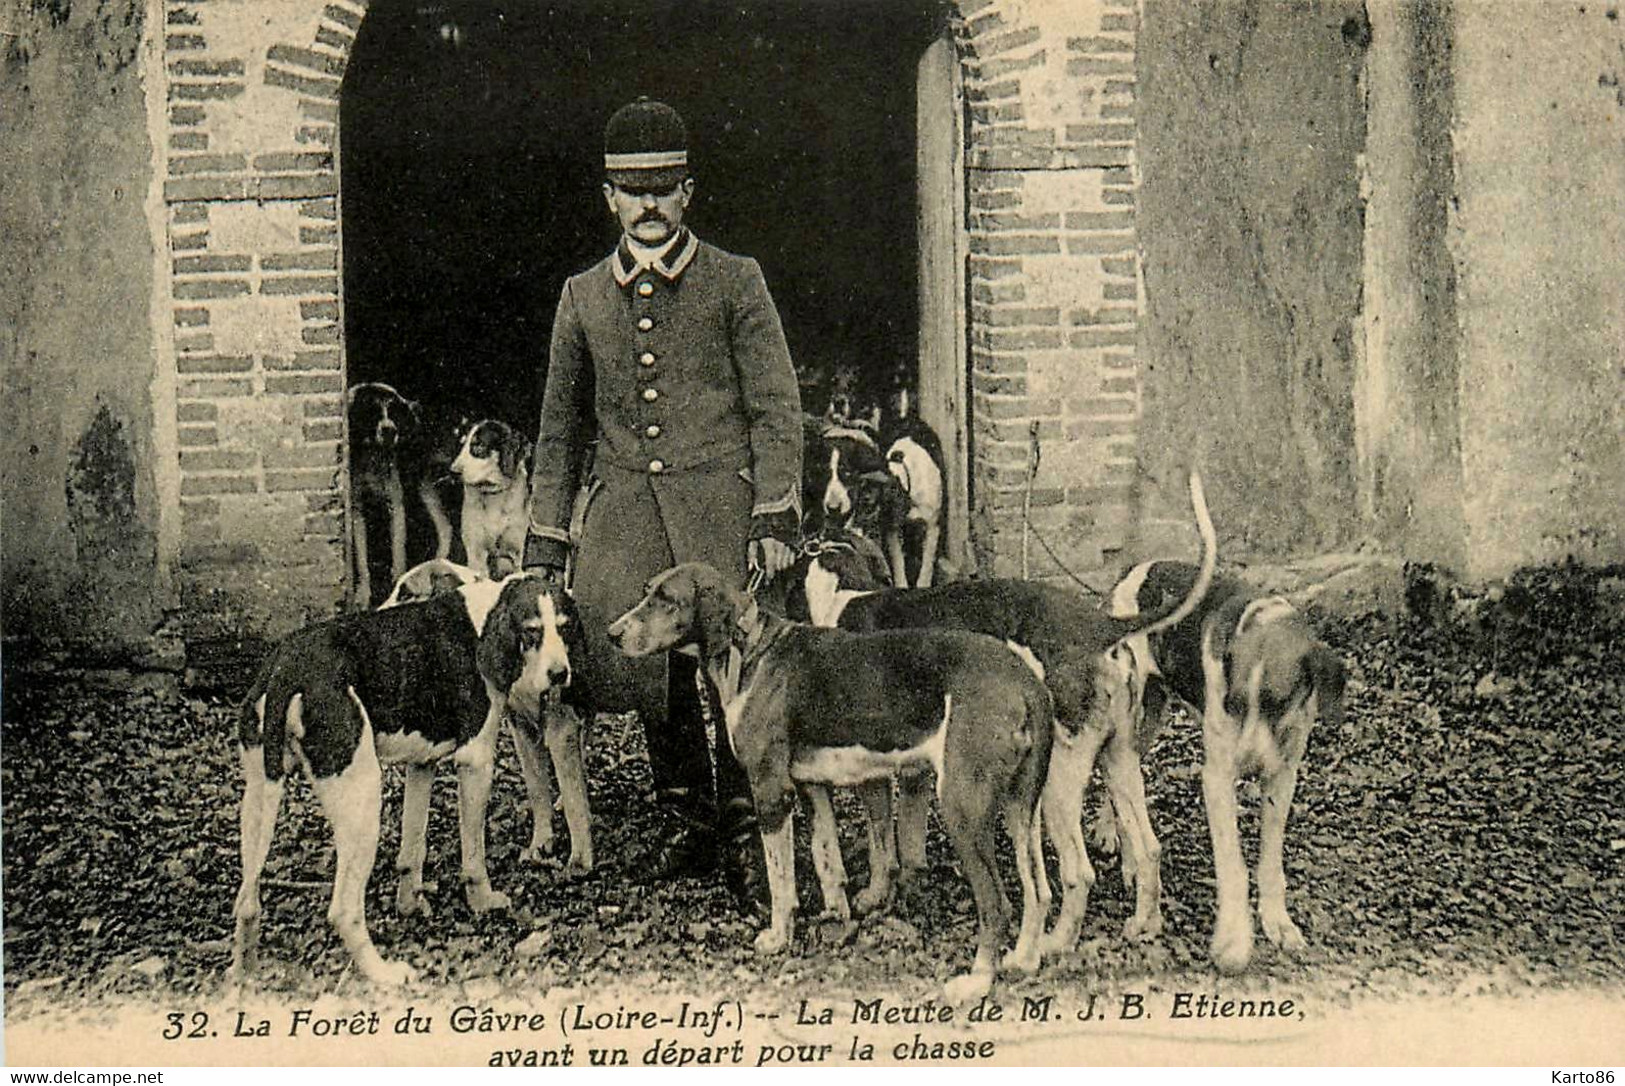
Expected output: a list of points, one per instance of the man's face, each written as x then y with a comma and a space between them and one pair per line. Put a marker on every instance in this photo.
649, 216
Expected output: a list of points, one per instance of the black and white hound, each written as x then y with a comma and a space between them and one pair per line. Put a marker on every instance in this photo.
1252, 667
815, 708
564, 719
1082, 650
414, 684
492, 465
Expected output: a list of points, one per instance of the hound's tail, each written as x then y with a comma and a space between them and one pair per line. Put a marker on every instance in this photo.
1326, 675
283, 709
1038, 732
1173, 614
250, 725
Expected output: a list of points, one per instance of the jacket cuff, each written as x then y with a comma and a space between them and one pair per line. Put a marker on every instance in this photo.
784, 526
545, 552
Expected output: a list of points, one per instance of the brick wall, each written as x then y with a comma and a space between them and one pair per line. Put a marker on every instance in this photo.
1054, 278
251, 192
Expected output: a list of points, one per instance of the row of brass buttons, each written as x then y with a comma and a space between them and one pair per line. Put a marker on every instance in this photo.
650, 395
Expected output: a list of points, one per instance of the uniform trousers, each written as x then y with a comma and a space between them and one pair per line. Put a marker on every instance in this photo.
636, 524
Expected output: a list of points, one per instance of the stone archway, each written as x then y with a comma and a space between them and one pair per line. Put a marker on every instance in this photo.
254, 359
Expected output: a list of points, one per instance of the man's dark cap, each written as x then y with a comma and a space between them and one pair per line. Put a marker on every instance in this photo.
646, 145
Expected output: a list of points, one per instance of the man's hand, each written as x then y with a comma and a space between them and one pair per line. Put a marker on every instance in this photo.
770, 556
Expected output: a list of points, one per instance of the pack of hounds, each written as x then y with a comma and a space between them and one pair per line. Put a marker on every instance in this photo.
998, 695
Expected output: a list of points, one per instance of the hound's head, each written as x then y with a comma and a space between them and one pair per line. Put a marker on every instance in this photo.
857, 487
436, 577
690, 607
843, 407
379, 416
528, 635
492, 457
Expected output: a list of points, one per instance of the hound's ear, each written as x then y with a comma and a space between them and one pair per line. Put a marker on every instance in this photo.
412, 422
513, 454
498, 655
565, 604
715, 615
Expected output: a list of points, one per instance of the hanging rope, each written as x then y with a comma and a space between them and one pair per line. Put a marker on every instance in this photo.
1028, 529
1027, 497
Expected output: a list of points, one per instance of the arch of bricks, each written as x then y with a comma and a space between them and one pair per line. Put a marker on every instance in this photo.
256, 354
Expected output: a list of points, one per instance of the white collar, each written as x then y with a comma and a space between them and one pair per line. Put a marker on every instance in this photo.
644, 256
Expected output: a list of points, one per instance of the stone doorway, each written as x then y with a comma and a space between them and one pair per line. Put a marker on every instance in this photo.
472, 163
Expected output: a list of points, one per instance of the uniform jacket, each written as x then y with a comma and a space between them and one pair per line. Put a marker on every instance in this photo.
671, 369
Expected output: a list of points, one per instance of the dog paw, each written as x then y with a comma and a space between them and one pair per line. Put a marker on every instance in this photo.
580, 865
388, 974
244, 973
966, 988
1103, 837
1053, 944
1231, 950
832, 930
409, 901
1281, 931
1023, 963
245, 948
1143, 929
772, 941
872, 899
481, 898
838, 911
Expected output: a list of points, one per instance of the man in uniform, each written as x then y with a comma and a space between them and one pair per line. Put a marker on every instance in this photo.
669, 364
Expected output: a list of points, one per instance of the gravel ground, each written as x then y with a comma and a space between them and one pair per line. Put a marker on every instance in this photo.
1461, 834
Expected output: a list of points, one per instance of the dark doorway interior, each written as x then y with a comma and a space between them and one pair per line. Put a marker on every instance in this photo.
472, 143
